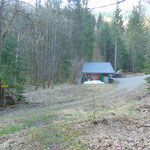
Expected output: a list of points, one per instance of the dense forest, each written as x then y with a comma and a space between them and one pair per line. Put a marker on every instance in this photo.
48, 43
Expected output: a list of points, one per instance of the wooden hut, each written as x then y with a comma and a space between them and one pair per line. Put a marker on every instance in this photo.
97, 70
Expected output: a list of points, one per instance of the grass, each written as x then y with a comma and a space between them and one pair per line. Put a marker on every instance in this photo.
10, 129
51, 137
63, 135
68, 93
48, 134
72, 117
47, 117
28, 123
59, 126
44, 136
40, 119
69, 136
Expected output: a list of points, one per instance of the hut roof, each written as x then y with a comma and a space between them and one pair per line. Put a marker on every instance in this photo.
98, 67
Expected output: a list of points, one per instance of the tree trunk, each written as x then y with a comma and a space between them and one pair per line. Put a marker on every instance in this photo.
83, 31
133, 68
54, 53
49, 59
1, 39
105, 54
134, 57
52, 67
1, 21
17, 53
116, 49
43, 66
36, 75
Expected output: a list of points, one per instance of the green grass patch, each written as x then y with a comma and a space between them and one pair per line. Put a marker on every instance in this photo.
69, 136
47, 117
46, 136
72, 117
28, 123
43, 119
10, 129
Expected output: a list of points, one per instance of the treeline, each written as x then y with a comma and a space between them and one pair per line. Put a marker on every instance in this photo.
42, 44
125, 45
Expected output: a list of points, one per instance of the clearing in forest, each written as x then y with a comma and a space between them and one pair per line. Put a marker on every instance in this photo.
110, 121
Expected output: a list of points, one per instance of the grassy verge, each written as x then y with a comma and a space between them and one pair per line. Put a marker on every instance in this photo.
67, 93
10, 129
63, 128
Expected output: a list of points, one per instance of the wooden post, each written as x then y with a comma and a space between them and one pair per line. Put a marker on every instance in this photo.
4, 93
0, 91
4, 97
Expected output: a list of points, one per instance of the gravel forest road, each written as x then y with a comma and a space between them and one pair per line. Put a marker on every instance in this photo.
131, 83
125, 85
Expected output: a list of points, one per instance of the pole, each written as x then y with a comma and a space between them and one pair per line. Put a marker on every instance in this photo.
4, 97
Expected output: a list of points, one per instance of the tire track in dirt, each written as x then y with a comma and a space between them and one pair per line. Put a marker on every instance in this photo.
125, 85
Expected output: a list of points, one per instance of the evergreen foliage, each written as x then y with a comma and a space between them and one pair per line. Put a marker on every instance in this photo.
130, 44
12, 72
52, 44
100, 20
137, 39
105, 42
46, 47
118, 30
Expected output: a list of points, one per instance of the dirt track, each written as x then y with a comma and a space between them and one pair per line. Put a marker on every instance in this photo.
125, 85
131, 83
69, 95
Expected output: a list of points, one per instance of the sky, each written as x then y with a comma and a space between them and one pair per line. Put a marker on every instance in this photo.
126, 5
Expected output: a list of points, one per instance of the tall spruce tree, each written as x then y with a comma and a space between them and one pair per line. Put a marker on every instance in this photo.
104, 40
137, 38
10, 69
83, 29
99, 20
118, 31
82, 37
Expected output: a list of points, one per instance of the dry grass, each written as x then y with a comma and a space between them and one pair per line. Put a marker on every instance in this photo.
115, 123
67, 92
121, 123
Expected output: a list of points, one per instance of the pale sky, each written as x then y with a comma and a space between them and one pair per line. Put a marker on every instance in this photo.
127, 5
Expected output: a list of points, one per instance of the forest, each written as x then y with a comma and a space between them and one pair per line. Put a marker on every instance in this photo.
43, 47
48, 43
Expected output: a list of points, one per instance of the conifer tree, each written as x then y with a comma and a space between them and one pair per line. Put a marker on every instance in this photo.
104, 40
99, 20
137, 38
118, 31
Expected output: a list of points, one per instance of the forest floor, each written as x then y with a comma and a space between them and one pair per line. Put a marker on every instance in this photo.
73, 117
